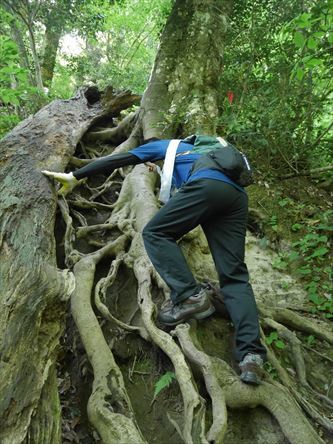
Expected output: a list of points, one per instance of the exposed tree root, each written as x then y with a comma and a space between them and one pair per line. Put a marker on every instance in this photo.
194, 406
109, 408
294, 320
238, 395
75, 161
327, 358
276, 399
83, 232
86, 204
291, 386
219, 424
135, 205
296, 354
114, 135
69, 237
100, 291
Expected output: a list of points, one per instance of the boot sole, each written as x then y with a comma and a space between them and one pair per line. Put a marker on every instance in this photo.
202, 315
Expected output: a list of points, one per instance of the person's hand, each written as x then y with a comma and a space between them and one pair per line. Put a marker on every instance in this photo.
67, 180
151, 166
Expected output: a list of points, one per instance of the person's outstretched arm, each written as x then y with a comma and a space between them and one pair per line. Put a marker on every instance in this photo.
148, 152
106, 165
103, 165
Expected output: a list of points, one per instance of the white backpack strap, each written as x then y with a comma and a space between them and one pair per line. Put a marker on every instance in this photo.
222, 141
166, 175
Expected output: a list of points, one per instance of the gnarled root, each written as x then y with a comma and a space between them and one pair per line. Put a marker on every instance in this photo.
219, 425
274, 398
114, 135
109, 407
294, 320
194, 406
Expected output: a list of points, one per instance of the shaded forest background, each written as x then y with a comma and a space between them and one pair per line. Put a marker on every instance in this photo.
275, 96
275, 87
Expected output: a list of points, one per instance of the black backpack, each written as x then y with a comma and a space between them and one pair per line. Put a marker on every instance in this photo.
221, 156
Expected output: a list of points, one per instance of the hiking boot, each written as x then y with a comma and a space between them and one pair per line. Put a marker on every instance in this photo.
167, 305
251, 369
197, 306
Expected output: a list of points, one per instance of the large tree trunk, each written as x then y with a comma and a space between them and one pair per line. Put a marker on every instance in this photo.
33, 290
38, 72
183, 92
51, 44
115, 281
17, 37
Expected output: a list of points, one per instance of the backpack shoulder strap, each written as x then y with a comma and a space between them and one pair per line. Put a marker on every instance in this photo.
167, 171
222, 141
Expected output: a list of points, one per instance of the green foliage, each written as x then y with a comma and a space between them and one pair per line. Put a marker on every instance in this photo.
123, 52
313, 36
310, 340
15, 89
164, 382
308, 260
270, 370
120, 38
63, 84
274, 339
278, 65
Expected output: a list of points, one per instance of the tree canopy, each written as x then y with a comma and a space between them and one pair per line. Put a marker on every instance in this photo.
275, 85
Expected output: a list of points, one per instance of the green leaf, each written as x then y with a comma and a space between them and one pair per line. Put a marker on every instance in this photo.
15, 101
313, 62
325, 227
314, 298
305, 16
299, 39
304, 271
321, 251
312, 43
310, 340
303, 21
299, 73
330, 37
280, 344
284, 202
293, 256
272, 337
164, 382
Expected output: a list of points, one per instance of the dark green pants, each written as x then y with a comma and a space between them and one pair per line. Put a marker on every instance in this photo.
221, 210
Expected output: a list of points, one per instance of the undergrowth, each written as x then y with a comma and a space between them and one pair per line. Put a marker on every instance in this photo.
298, 221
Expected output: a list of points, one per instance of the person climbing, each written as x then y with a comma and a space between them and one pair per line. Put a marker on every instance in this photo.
208, 197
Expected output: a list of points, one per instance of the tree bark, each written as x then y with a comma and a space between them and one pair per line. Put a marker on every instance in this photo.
38, 73
182, 94
51, 44
34, 291
17, 37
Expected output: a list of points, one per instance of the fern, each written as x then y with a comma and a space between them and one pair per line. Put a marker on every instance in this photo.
164, 382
